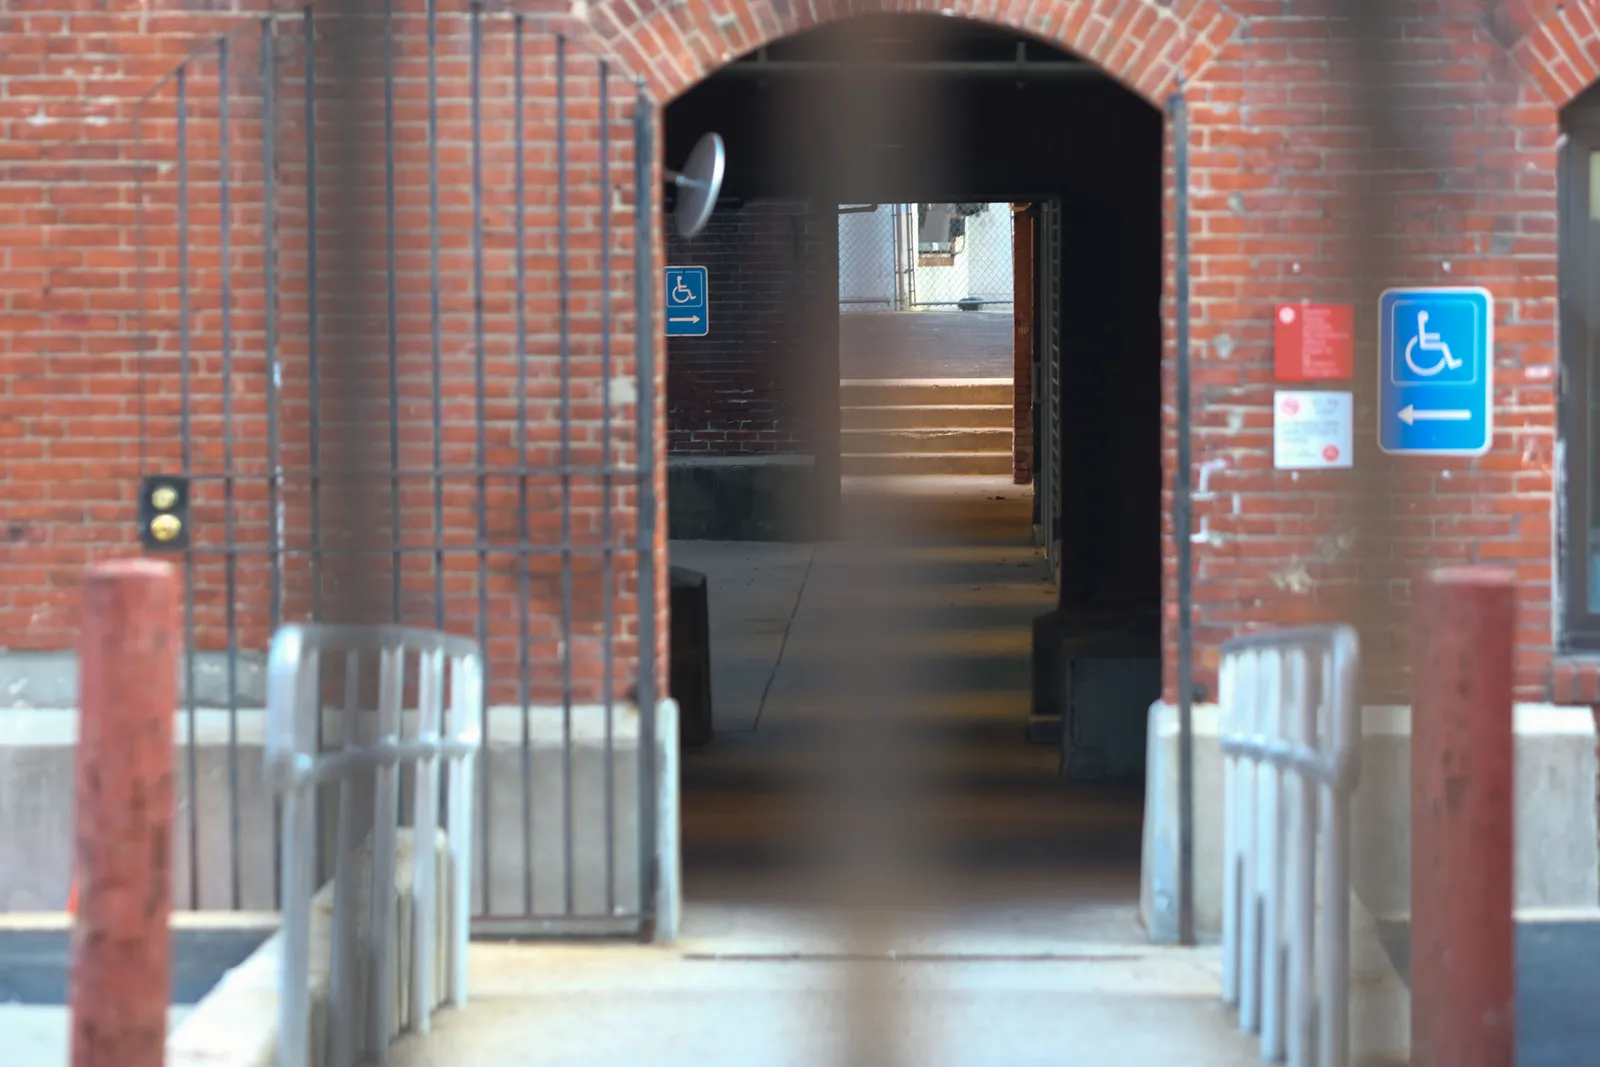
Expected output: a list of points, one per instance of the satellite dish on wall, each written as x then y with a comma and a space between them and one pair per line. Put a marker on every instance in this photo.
698, 184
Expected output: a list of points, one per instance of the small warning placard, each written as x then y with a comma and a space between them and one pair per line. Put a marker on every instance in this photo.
1313, 342
1312, 430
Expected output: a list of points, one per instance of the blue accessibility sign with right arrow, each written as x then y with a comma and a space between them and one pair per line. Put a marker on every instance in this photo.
688, 302
1436, 371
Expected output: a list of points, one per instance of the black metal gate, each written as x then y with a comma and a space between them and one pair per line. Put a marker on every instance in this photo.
1047, 272
397, 365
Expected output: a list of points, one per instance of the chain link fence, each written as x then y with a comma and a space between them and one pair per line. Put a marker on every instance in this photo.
925, 257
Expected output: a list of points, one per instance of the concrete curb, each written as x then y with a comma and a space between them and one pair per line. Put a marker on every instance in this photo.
1557, 832
181, 920
1380, 1002
236, 1024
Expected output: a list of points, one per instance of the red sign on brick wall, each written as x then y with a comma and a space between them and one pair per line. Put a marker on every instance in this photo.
1311, 342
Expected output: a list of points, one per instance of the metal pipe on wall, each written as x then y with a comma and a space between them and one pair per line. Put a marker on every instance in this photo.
1182, 523
645, 327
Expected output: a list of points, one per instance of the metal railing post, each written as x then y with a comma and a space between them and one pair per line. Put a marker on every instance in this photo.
121, 951
442, 750
1290, 745
1463, 934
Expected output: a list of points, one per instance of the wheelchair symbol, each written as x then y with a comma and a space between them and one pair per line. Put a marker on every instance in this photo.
681, 293
1426, 341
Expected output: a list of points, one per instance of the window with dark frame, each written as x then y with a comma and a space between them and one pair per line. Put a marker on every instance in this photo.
1579, 562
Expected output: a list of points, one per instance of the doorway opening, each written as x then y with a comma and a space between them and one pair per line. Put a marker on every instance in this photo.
914, 469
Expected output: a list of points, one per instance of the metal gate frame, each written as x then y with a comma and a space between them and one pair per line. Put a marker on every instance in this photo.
1047, 274
227, 328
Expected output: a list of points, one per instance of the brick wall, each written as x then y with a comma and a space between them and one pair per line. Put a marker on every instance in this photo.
124, 179
741, 389
70, 74
1274, 145
1467, 194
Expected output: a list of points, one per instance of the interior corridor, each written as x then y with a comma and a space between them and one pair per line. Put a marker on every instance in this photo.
880, 684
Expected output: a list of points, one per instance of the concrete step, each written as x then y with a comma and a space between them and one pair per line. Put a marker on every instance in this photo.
920, 440
897, 392
927, 463
922, 416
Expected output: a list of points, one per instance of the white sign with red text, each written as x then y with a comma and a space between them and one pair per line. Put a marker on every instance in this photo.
1312, 430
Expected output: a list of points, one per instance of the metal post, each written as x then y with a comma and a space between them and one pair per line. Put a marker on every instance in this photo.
122, 953
185, 434
644, 280
564, 315
608, 602
1182, 521
229, 517
1463, 963
524, 624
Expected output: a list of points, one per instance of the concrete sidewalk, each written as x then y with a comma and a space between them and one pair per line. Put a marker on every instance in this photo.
1031, 955
601, 1006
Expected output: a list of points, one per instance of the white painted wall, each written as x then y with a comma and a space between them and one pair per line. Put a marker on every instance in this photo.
866, 259
982, 265
988, 254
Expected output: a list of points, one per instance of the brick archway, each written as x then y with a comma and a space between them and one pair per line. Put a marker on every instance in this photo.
1147, 45
1553, 45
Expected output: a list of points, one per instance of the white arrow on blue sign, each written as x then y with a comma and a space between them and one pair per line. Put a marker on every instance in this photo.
687, 312
1436, 371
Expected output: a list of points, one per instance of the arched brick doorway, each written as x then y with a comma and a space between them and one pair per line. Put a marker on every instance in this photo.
884, 26
1152, 49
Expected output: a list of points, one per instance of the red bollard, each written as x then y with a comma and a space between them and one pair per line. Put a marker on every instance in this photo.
121, 947
1463, 935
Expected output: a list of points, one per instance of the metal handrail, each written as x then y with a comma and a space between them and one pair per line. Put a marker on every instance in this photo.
1291, 749
449, 690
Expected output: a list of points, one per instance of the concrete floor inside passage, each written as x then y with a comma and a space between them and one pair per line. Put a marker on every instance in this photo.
879, 871
927, 600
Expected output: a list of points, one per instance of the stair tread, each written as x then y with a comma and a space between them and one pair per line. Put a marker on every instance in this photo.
929, 407
949, 382
923, 455
926, 429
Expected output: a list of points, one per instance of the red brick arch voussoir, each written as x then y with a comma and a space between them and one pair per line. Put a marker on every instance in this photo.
1557, 46
1149, 46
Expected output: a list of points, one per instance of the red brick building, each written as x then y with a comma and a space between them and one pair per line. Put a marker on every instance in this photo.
1326, 161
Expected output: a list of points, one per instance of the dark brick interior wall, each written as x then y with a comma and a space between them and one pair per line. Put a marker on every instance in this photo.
741, 389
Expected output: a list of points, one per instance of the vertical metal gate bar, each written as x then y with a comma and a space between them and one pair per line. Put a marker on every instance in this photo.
314, 374
230, 533
564, 266
479, 369
1181, 526
269, 249
434, 304
607, 555
392, 311
192, 712
313, 317
1058, 369
269, 259
520, 140
911, 258
644, 438
142, 274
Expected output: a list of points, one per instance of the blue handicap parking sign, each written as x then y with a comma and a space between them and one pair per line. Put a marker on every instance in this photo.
687, 311
1436, 371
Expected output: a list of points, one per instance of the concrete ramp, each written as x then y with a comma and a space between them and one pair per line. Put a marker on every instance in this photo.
572, 1006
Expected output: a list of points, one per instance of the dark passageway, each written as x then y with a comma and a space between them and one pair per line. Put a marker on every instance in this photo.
872, 688
917, 624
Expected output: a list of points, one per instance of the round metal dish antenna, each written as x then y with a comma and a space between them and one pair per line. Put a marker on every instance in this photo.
698, 184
